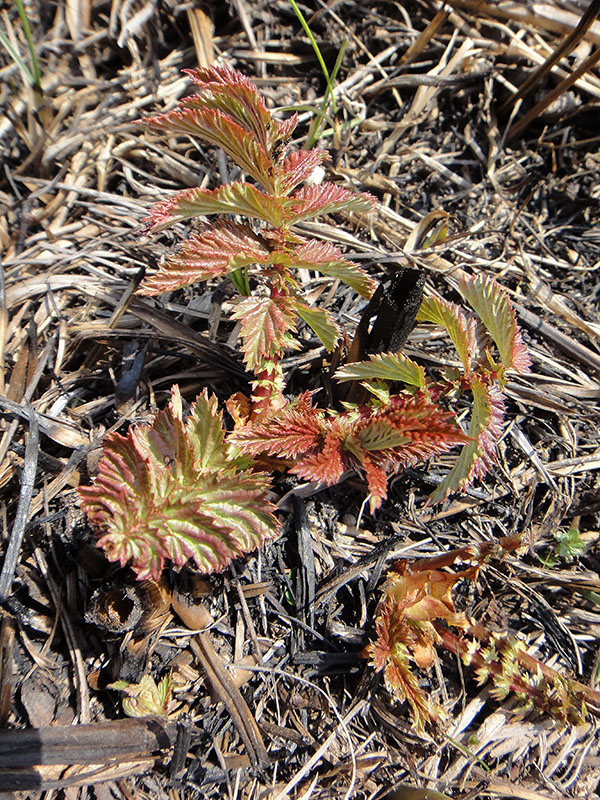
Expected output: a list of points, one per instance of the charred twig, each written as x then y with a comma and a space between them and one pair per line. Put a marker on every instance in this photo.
27, 484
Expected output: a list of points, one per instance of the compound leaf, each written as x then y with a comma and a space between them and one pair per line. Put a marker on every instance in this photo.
377, 441
234, 94
297, 430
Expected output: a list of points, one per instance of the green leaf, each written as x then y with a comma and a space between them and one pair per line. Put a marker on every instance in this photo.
146, 698
451, 317
347, 272
379, 389
463, 470
569, 544
384, 366
492, 306
173, 490
234, 198
321, 322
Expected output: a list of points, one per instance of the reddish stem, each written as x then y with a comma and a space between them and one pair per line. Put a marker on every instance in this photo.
267, 398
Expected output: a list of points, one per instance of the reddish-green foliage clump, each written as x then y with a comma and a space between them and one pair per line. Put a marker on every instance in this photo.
183, 489
416, 615
229, 112
378, 439
482, 374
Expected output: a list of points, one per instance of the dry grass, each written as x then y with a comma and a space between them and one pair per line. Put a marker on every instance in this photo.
425, 122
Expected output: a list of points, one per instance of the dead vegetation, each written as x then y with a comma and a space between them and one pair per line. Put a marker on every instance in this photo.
426, 120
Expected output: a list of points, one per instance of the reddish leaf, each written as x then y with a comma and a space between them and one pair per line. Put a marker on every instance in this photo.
325, 258
234, 94
286, 128
296, 168
266, 324
491, 434
219, 129
327, 198
390, 653
326, 462
299, 432
215, 249
378, 441
173, 490
493, 307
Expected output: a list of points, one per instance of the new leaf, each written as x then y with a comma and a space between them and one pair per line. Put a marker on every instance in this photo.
377, 441
492, 306
173, 490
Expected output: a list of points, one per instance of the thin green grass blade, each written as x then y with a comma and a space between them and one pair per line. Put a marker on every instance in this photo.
36, 75
316, 131
316, 48
313, 134
16, 58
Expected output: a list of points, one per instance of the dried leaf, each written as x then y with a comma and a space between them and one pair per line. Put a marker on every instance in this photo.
411, 793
